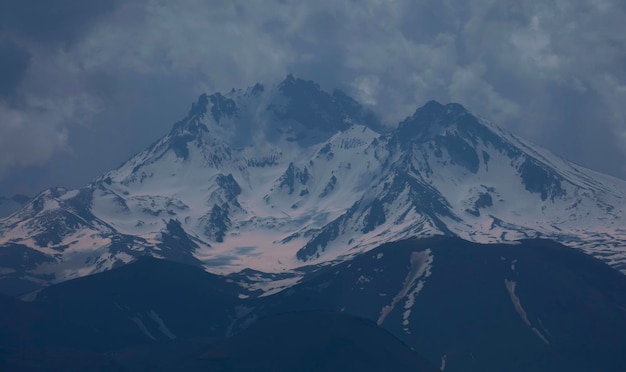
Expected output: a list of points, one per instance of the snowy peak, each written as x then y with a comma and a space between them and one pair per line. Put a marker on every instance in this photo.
197, 112
222, 107
275, 178
294, 178
308, 105
431, 120
455, 128
295, 111
452, 133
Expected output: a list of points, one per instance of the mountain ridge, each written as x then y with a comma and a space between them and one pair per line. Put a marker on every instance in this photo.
536, 305
288, 176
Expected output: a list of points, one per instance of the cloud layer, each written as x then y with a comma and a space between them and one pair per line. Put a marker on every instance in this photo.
83, 90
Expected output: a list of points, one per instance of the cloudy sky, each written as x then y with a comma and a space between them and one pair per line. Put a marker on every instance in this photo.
85, 84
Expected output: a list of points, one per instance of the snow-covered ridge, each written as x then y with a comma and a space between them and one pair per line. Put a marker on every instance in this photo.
276, 178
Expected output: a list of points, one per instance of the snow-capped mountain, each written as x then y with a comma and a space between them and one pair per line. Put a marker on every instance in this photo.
277, 179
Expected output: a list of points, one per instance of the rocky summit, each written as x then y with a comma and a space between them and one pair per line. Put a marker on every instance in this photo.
271, 182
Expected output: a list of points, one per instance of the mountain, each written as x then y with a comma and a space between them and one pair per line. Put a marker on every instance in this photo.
160, 315
269, 183
531, 306
315, 341
131, 303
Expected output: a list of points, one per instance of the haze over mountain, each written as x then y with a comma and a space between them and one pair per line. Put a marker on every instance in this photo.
283, 177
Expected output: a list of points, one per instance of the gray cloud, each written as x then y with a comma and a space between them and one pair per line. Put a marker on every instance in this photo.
42, 97
13, 65
51, 21
550, 71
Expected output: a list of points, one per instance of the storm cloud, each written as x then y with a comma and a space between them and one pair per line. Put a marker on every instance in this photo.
13, 64
41, 98
87, 84
51, 21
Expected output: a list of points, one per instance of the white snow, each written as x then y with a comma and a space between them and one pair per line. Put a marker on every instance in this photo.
270, 287
31, 296
142, 326
420, 265
162, 327
510, 287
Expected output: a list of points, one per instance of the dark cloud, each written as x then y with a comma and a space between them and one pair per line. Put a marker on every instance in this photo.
13, 65
574, 125
104, 79
56, 21
43, 96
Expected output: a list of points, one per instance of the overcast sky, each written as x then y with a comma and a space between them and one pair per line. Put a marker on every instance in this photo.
85, 84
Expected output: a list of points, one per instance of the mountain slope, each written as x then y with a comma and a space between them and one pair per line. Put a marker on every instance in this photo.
315, 341
282, 178
532, 306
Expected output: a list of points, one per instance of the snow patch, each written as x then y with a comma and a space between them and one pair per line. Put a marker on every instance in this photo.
270, 287
31, 296
142, 326
510, 287
420, 267
162, 327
